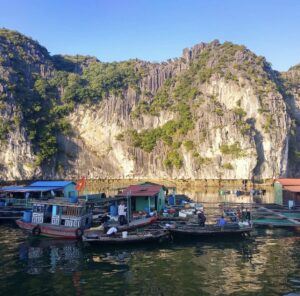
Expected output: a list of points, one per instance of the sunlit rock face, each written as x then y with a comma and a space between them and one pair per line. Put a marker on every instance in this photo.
217, 112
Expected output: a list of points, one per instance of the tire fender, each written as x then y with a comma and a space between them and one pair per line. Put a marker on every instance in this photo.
36, 231
79, 232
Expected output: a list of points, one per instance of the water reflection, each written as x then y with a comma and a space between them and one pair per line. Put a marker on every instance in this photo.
51, 255
244, 248
265, 264
70, 265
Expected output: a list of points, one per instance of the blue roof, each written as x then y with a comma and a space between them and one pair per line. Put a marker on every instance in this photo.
51, 184
29, 188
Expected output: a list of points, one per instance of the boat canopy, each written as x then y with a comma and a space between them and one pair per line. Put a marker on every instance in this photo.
51, 184
29, 189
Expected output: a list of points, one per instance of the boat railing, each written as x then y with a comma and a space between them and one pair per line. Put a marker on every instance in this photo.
92, 197
23, 202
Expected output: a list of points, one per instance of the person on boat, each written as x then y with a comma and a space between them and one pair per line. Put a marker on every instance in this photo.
244, 215
201, 218
248, 216
221, 222
104, 218
238, 214
48, 214
112, 231
122, 213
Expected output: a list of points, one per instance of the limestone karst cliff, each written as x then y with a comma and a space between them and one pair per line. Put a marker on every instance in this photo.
219, 111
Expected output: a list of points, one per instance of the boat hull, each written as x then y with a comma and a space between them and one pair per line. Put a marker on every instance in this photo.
137, 223
50, 230
210, 232
103, 239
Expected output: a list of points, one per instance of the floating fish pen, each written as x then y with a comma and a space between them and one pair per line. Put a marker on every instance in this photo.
276, 216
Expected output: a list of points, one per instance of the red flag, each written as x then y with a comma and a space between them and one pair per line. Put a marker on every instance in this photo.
81, 184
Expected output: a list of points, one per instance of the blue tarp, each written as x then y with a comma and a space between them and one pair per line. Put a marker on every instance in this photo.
28, 189
51, 183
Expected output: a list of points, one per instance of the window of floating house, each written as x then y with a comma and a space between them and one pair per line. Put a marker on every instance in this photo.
72, 211
69, 211
38, 208
59, 193
64, 210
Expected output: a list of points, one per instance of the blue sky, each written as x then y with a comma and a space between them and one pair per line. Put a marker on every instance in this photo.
156, 30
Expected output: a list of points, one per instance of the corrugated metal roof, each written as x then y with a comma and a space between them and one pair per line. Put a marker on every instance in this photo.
288, 181
292, 188
52, 183
141, 190
28, 189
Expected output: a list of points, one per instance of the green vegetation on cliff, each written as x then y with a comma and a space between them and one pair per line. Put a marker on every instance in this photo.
45, 99
44, 90
233, 150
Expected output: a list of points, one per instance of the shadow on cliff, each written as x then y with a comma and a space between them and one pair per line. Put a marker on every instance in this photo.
258, 139
291, 99
68, 162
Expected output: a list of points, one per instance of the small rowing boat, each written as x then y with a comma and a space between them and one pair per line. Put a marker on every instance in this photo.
126, 237
194, 230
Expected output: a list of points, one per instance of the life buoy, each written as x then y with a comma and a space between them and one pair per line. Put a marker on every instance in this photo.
79, 232
36, 231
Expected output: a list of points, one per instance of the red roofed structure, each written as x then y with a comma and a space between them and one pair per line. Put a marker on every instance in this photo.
145, 197
287, 191
141, 190
292, 188
288, 182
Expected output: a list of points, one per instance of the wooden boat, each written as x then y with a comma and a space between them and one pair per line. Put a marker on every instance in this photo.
134, 224
128, 238
57, 218
138, 223
172, 219
194, 230
14, 200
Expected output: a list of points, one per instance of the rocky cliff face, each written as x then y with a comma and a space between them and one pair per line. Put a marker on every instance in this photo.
16, 153
291, 80
218, 112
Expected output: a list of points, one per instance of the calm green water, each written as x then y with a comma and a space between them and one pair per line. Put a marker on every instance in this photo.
266, 264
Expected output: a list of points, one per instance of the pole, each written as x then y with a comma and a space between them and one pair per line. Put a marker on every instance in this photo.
128, 212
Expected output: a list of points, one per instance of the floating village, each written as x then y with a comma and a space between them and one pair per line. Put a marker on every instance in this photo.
144, 213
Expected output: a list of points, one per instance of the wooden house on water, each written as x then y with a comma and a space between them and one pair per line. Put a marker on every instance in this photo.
40, 189
59, 217
145, 197
287, 192
15, 199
